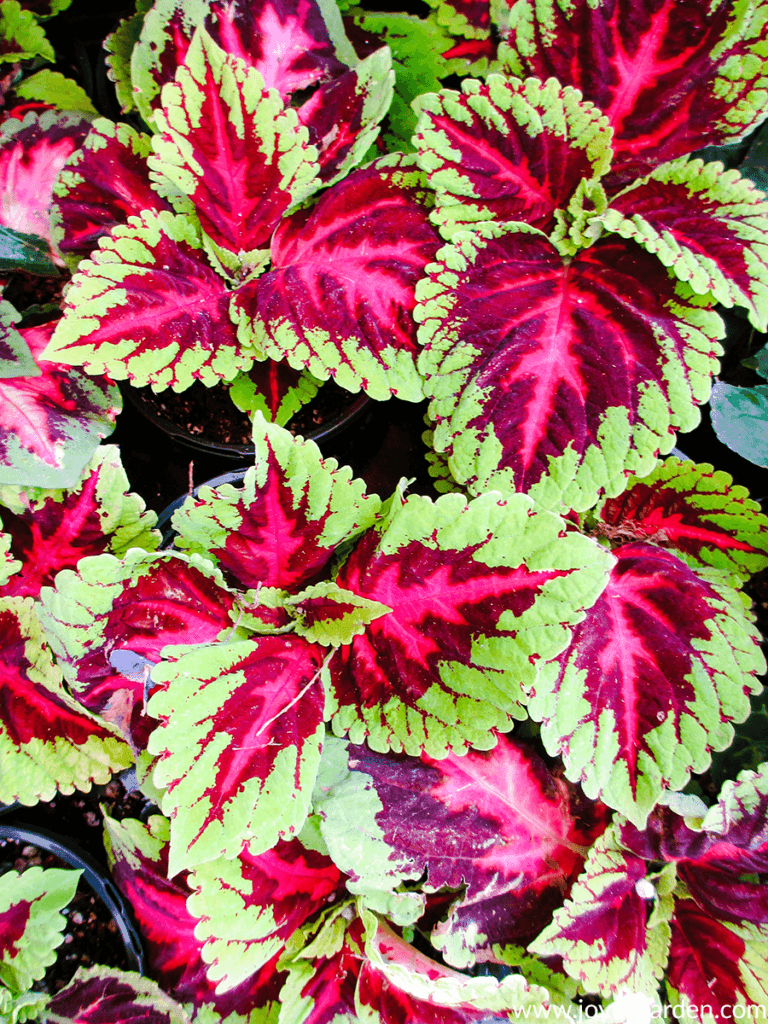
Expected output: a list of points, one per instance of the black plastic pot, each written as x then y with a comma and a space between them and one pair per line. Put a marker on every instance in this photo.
140, 399
96, 877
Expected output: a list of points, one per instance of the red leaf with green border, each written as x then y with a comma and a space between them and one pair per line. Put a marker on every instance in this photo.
508, 150
249, 907
696, 511
671, 75
16, 359
32, 153
51, 423
52, 530
103, 995
283, 527
241, 726
31, 927
275, 389
101, 185
140, 605
496, 825
320, 989
517, 346
47, 743
482, 595
706, 224
231, 145
469, 18
150, 308
138, 857
661, 664
288, 43
340, 297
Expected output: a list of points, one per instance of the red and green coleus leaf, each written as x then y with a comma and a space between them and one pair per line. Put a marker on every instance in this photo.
398, 983
106, 994
275, 389
22, 37
241, 727
660, 665
288, 44
508, 150
150, 308
468, 18
612, 932
47, 742
52, 530
16, 359
706, 224
496, 825
671, 76
52, 422
283, 527
329, 615
231, 145
249, 907
118, 47
694, 510
139, 606
32, 153
31, 927
517, 346
138, 858
340, 296
482, 595
104, 183
343, 116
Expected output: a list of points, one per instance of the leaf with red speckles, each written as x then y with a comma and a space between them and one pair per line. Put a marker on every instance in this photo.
283, 527
249, 907
671, 75
496, 825
47, 742
52, 530
52, 422
482, 595
138, 858
101, 185
696, 511
241, 726
31, 927
149, 307
232, 146
140, 605
340, 296
508, 150
517, 345
287, 42
104, 995
660, 666
32, 153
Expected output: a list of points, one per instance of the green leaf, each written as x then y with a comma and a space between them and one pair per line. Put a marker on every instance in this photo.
16, 359
54, 88
19, 251
740, 420
119, 48
21, 37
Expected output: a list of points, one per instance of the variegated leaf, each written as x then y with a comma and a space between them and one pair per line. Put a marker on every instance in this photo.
469, 18
340, 297
16, 359
508, 150
289, 44
22, 37
31, 927
662, 663
47, 743
52, 530
708, 225
482, 595
231, 145
671, 75
275, 389
603, 931
283, 527
241, 726
101, 185
696, 511
558, 377
103, 995
52, 422
118, 46
329, 615
150, 308
496, 825
248, 907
